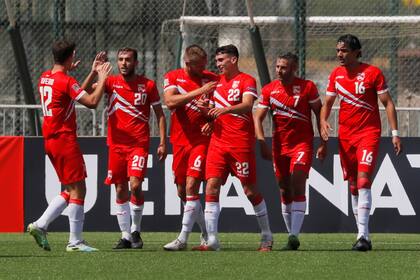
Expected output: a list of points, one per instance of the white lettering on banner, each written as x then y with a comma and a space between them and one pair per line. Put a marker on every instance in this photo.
336, 193
53, 185
388, 176
148, 205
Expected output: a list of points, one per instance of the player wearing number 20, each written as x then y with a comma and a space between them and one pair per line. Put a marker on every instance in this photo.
130, 97
358, 85
58, 94
291, 100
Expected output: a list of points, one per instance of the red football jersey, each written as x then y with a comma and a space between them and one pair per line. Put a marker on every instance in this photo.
234, 130
186, 121
291, 110
129, 110
358, 98
58, 93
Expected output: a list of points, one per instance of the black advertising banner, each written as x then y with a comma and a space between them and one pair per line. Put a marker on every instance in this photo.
395, 192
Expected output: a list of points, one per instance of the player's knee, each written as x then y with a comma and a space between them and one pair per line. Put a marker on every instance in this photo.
363, 183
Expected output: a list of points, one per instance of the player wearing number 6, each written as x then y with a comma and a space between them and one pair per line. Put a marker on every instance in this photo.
358, 86
130, 97
232, 143
290, 99
58, 94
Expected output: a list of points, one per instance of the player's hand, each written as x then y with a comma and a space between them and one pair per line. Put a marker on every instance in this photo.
100, 59
74, 65
217, 112
321, 152
104, 70
265, 150
325, 130
209, 87
396, 142
161, 152
207, 129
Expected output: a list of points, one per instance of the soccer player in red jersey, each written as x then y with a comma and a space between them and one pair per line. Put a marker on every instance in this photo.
59, 93
183, 88
232, 143
291, 100
130, 97
358, 85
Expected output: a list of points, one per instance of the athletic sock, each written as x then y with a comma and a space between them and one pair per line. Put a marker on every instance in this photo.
54, 209
262, 218
189, 217
211, 216
76, 219
136, 210
298, 214
364, 205
123, 217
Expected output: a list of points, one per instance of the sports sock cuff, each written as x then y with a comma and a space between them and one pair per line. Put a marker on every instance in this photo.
193, 197
66, 196
299, 198
77, 201
212, 198
363, 183
256, 199
137, 201
353, 190
121, 201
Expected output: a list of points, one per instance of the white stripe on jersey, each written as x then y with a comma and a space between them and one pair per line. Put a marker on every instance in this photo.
354, 98
286, 108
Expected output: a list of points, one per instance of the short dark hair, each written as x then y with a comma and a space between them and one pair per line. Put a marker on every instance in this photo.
62, 50
228, 49
351, 41
128, 49
289, 56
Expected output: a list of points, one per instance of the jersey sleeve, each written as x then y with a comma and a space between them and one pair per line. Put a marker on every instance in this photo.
264, 99
312, 92
380, 83
331, 91
169, 81
154, 94
250, 87
74, 90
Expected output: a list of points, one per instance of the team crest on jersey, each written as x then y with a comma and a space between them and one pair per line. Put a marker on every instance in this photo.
235, 84
360, 76
296, 89
140, 87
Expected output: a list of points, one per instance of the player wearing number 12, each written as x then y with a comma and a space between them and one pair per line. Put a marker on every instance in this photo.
58, 94
130, 97
358, 85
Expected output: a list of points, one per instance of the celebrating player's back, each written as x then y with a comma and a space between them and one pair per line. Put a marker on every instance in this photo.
58, 94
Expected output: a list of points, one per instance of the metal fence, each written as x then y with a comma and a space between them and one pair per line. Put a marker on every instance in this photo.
389, 31
14, 121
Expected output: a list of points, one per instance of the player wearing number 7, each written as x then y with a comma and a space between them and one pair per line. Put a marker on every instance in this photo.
290, 100
130, 97
358, 85
58, 94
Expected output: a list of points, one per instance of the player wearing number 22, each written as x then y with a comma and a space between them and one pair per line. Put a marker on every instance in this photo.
58, 94
291, 100
358, 85
130, 97
232, 145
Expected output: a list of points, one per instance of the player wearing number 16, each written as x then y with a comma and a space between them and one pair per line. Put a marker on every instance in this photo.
130, 97
358, 85
58, 94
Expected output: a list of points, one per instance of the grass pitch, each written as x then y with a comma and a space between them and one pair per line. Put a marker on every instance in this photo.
321, 256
